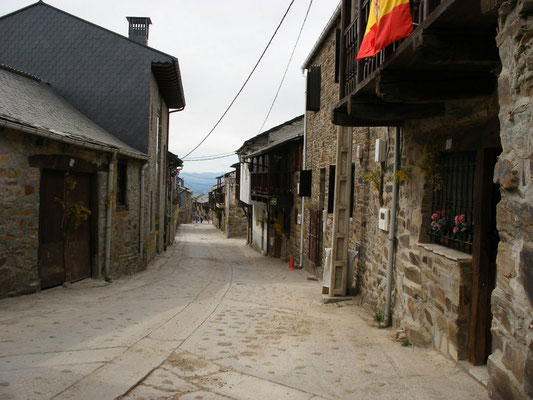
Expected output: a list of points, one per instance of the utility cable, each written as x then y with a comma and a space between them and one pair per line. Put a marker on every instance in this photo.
211, 155
210, 158
245, 82
287, 67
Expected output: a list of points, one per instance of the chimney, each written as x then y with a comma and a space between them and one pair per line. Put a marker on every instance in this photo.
139, 29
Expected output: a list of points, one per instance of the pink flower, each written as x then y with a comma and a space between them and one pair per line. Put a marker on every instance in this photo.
454, 229
443, 212
439, 226
435, 216
432, 223
459, 219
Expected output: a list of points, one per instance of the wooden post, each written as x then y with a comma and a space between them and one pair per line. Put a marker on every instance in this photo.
341, 212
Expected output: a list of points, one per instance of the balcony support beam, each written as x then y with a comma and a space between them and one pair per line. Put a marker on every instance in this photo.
472, 51
433, 86
373, 112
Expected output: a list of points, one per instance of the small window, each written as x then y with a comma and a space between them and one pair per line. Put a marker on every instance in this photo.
451, 221
352, 191
305, 183
331, 189
313, 89
122, 183
337, 54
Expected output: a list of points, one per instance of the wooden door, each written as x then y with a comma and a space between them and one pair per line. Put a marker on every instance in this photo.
315, 228
51, 269
484, 251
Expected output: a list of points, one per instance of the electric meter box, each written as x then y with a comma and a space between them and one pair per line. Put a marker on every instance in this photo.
380, 151
383, 223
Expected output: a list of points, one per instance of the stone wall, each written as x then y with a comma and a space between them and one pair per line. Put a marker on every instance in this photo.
511, 363
125, 251
236, 225
155, 175
19, 216
320, 151
20, 202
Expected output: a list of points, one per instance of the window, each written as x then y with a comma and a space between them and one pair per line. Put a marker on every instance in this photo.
122, 183
352, 191
306, 177
322, 199
453, 203
331, 189
313, 89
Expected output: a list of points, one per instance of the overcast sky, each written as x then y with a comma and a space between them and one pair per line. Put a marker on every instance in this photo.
217, 43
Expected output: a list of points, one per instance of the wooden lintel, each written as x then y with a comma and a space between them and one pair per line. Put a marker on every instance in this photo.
340, 118
458, 49
431, 87
371, 112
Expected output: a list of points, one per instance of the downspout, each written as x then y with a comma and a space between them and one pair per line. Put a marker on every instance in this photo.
302, 220
392, 229
141, 215
109, 215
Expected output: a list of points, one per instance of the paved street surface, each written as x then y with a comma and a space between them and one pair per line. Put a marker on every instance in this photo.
210, 319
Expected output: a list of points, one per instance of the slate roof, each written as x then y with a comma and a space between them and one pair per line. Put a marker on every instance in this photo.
103, 74
277, 136
28, 102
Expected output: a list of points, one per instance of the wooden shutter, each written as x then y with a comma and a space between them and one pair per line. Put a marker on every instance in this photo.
313, 89
331, 191
305, 182
337, 54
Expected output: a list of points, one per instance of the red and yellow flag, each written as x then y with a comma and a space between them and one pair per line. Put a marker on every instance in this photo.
388, 21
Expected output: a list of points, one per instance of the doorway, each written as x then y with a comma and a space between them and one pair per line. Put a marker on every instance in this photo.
484, 252
52, 270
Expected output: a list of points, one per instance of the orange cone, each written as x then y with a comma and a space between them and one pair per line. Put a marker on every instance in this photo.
291, 263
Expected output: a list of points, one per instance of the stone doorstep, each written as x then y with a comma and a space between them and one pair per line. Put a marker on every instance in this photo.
479, 372
326, 299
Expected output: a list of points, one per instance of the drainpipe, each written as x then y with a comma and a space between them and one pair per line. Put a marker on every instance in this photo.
141, 214
392, 229
302, 221
109, 214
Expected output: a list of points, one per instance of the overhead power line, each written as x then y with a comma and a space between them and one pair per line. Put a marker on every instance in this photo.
245, 82
211, 155
287, 67
210, 158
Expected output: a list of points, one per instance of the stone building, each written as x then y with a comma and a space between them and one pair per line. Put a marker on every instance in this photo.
120, 83
217, 203
53, 158
320, 151
434, 135
236, 221
185, 202
270, 164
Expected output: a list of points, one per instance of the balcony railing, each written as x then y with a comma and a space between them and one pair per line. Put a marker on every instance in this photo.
356, 72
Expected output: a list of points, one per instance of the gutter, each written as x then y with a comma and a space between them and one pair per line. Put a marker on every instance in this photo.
109, 215
141, 214
392, 231
302, 221
66, 139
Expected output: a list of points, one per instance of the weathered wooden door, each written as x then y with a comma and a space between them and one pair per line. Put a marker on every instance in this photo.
484, 251
51, 269
315, 226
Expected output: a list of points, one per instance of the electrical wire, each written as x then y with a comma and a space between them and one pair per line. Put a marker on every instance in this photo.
227, 153
245, 82
287, 67
210, 158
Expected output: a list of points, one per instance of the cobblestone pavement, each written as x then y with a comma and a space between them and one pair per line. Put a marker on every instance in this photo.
211, 319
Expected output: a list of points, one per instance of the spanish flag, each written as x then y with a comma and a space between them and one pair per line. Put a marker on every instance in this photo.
388, 21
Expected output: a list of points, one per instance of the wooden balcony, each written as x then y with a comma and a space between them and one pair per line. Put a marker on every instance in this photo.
451, 54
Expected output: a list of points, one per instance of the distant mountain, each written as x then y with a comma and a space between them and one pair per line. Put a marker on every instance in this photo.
200, 182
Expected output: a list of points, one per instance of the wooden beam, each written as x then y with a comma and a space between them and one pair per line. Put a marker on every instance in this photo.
434, 86
460, 48
372, 112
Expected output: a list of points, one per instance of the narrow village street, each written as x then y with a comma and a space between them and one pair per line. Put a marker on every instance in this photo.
210, 319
